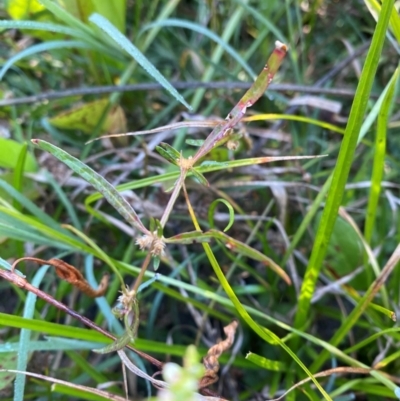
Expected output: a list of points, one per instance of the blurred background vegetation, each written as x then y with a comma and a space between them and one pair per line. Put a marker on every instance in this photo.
198, 45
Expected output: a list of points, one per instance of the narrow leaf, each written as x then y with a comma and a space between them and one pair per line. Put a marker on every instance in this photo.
168, 153
101, 184
35, 25
192, 237
265, 363
246, 250
206, 32
211, 211
379, 158
41, 47
194, 142
9, 153
199, 177
133, 51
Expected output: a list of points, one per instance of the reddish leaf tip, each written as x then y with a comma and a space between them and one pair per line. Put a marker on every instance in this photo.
35, 141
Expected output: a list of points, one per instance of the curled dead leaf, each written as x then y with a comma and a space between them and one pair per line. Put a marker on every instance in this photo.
71, 274
211, 362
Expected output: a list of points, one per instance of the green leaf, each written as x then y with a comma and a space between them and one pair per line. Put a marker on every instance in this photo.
206, 32
21, 9
63, 15
265, 363
246, 250
199, 177
9, 154
19, 173
7, 361
80, 9
345, 251
232, 244
85, 117
35, 25
169, 153
86, 33
133, 51
101, 184
114, 11
191, 237
394, 22
195, 142
212, 209
42, 47
379, 158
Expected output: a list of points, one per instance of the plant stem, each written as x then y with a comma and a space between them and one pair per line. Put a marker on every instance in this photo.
173, 198
141, 273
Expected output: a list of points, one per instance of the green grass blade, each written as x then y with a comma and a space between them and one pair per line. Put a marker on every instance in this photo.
278, 34
133, 51
355, 314
41, 26
50, 344
212, 209
102, 303
62, 15
29, 229
265, 363
64, 200
19, 173
266, 334
102, 185
23, 355
115, 11
343, 165
172, 22
375, 8
168, 8
230, 28
85, 33
203, 168
86, 337
42, 47
379, 158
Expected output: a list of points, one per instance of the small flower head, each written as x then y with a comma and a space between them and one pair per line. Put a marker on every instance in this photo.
153, 243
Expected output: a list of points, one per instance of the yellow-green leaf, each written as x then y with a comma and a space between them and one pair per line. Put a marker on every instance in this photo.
85, 118
9, 153
80, 9
23, 9
114, 11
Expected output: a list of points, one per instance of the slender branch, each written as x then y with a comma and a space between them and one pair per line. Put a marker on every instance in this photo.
139, 278
21, 282
99, 90
173, 198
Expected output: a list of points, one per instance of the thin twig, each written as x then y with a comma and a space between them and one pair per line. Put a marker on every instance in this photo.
21, 282
98, 90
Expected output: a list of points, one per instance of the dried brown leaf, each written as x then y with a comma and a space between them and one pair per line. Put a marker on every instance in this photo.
211, 362
71, 274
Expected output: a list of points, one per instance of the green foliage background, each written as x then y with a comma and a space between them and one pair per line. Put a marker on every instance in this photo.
331, 316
